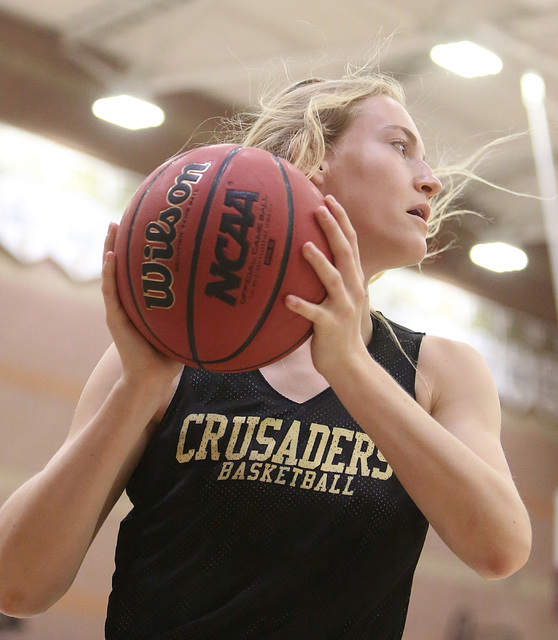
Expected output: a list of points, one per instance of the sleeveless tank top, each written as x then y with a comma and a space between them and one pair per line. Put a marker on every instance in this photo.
257, 517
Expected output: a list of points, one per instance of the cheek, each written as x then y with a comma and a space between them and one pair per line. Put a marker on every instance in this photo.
364, 192
369, 214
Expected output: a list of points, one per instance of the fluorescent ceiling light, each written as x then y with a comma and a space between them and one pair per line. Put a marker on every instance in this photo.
532, 90
129, 112
467, 59
499, 257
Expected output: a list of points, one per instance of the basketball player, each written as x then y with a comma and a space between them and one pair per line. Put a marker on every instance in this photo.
293, 501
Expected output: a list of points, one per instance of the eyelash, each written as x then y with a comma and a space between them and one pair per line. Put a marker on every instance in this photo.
401, 143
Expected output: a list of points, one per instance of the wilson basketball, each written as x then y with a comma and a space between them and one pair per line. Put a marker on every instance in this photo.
208, 248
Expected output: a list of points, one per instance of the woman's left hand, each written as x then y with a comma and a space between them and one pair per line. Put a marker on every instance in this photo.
343, 316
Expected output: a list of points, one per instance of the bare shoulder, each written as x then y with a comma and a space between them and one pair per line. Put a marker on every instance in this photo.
442, 357
455, 384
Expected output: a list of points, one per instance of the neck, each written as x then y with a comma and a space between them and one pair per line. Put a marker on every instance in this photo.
295, 376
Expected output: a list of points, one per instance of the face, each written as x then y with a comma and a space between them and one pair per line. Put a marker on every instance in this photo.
377, 171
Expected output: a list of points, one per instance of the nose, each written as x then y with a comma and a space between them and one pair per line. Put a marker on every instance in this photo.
428, 183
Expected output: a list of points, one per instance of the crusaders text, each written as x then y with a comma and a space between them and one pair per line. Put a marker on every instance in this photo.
252, 448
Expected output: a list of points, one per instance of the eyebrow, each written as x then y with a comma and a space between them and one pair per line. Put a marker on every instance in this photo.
413, 140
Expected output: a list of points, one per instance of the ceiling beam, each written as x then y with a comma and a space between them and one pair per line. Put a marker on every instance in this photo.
43, 92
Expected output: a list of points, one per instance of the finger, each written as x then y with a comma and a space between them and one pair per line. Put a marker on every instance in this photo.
110, 238
345, 251
344, 222
307, 310
337, 240
109, 286
329, 275
108, 271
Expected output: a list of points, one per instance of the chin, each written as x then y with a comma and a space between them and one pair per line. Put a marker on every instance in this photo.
418, 252
411, 255
398, 255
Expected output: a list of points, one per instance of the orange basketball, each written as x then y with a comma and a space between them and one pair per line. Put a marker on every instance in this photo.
207, 250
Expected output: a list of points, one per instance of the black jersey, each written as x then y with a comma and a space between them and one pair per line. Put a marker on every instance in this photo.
257, 517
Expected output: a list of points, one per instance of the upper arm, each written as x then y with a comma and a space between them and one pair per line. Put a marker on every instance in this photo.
102, 381
455, 386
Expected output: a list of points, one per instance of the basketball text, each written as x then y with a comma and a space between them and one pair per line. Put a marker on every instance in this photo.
157, 278
232, 245
266, 449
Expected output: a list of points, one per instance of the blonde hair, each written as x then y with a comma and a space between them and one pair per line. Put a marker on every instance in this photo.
303, 121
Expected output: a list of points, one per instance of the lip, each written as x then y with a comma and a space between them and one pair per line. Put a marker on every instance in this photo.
421, 210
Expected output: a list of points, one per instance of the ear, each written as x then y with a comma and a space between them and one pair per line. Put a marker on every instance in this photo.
318, 176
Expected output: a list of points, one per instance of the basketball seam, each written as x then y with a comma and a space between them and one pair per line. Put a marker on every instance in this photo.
278, 280
166, 166
195, 255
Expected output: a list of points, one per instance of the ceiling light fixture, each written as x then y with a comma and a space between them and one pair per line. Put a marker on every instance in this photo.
466, 59
533, 90
499, 257
129, 112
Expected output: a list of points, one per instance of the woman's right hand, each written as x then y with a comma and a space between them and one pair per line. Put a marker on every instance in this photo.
139, 358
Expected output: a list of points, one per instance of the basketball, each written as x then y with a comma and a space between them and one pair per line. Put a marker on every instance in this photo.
207, 249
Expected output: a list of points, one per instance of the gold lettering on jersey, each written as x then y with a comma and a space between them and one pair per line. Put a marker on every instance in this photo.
252, 448
239, 422
268, 441
211, 435
286, 452
377, 472
181, 455
334, 450
363, 449
311, 459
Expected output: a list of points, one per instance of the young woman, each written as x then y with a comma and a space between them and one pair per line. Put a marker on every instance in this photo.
293, 501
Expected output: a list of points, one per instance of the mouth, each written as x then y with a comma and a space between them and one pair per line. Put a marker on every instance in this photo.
423, 211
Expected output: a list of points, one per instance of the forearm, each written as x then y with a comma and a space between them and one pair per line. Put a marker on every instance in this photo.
473, 506
47, 526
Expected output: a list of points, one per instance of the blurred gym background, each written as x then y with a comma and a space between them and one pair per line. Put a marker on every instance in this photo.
64, 173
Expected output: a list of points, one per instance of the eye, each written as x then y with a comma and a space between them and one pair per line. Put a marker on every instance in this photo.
401, 145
